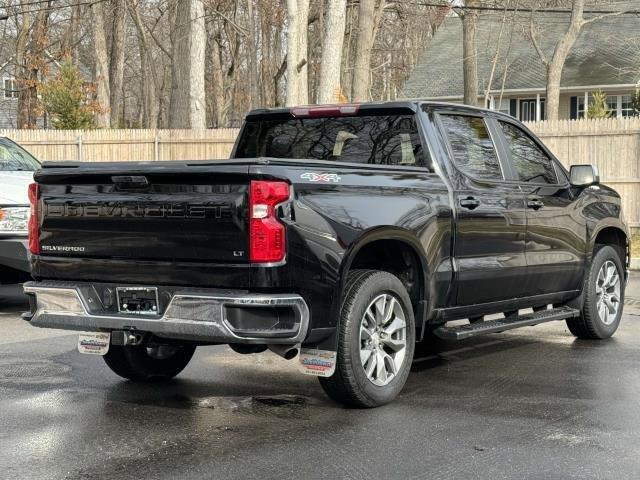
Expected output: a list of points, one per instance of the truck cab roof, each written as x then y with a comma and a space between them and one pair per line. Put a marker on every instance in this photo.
408, 105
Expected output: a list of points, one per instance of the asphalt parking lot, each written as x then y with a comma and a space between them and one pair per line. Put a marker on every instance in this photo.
532, 403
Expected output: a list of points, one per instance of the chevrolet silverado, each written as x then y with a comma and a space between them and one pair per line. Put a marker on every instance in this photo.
338, 235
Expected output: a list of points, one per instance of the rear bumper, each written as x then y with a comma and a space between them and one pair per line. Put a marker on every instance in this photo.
203, 315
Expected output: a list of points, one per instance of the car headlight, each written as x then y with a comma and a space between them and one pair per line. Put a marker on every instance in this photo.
14, 220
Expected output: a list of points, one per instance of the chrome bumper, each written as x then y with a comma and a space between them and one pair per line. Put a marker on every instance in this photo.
198, 315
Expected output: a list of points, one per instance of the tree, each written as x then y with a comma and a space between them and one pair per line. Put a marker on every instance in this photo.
329, 87
144, 54
598, 108
31, 64
366, 34
297, 18
116, 64
66, 98
469, 19
150, 82
555, 64
253, 57
188, 104
101, 67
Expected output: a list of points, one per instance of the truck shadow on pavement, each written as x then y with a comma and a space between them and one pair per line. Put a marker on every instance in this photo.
246, 388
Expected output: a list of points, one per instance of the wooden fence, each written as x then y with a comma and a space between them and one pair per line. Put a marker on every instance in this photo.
612, 144
124, 145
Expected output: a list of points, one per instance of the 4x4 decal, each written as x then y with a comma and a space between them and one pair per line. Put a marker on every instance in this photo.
320, 177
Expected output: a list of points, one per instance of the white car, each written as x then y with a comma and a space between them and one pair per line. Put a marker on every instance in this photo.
16, 173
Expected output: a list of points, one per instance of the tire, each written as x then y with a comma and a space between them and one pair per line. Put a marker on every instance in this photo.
350, 384
590, 324
142, 364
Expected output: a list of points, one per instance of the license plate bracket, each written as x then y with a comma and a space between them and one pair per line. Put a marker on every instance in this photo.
137, 300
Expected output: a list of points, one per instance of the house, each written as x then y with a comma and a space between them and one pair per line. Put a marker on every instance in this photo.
605, 57
9, 96
8, 102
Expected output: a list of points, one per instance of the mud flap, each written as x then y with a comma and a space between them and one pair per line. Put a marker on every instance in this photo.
94, 343
319, 363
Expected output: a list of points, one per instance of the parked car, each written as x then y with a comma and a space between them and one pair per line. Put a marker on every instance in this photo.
343, 233
16, 173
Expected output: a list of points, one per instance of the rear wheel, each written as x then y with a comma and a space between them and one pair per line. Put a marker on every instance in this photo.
143, 363
376, 341
603, 297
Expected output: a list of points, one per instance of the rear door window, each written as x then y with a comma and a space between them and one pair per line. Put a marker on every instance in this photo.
369, 139
473, 150
530, 161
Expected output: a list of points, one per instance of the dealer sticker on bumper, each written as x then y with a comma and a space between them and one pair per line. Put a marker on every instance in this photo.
320, 363
94, 343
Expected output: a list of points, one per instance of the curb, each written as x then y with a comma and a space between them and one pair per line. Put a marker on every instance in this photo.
634, 264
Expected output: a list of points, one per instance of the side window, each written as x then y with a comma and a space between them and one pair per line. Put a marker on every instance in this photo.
531, 163
473, 149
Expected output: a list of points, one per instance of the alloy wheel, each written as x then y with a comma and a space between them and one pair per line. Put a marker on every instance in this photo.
608, 292
383, 339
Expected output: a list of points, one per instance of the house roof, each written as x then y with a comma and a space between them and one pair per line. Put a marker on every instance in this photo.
606, 53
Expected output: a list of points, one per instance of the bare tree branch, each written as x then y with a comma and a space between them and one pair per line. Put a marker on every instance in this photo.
534, 41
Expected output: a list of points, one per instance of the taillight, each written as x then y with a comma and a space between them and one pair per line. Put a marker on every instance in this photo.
266, 234
34, 228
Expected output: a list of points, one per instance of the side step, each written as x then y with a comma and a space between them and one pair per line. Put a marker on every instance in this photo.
460, 332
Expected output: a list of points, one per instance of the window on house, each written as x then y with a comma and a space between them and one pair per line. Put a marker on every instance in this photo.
10, 88
528, 110
619, 106
582, 109
473, 149
626, 106
502, 107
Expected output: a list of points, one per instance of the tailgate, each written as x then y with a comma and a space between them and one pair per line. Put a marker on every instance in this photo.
174, 211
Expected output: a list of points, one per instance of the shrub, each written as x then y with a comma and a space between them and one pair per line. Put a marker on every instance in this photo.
67, 98
599, 108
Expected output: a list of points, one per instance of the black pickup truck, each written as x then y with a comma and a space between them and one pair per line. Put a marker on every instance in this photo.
336, 235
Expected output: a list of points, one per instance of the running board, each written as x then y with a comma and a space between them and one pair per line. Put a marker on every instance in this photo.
460, 332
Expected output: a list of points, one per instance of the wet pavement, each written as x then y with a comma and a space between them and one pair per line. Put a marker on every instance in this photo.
531, 403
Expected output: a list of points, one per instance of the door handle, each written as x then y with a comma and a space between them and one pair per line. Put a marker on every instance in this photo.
535, 204
469, 203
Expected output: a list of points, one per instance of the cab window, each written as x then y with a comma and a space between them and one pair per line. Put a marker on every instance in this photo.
369, 139
473, 150
531, 163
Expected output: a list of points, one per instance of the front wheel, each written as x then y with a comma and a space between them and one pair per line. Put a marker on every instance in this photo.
603, 292
144, 363
376, 340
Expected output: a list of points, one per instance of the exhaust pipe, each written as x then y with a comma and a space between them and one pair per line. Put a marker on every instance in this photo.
288, 352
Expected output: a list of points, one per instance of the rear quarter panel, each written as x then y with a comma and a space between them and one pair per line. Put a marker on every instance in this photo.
338, 208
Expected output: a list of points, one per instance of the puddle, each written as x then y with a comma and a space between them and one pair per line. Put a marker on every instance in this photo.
281, 400
178, 401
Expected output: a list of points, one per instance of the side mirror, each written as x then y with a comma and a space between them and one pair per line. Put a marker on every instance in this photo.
584, 175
